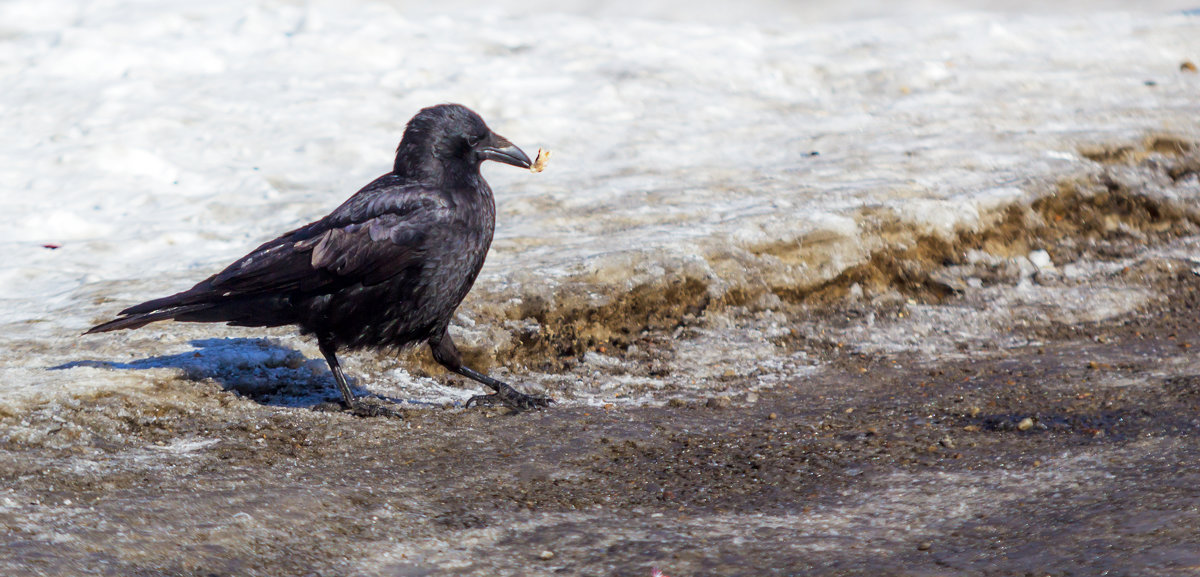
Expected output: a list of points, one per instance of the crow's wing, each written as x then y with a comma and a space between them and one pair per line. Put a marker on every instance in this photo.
377, 234
372, 237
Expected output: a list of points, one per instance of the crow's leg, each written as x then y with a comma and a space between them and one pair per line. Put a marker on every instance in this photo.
445, 353
355, 407
330, 352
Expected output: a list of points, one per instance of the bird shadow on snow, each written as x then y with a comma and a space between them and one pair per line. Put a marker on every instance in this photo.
261, 369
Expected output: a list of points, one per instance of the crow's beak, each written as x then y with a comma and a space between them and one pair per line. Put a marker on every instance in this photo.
501, 150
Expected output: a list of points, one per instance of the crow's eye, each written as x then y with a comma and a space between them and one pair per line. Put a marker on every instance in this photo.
473, 140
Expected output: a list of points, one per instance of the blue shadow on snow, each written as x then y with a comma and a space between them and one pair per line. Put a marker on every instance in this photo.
261, 369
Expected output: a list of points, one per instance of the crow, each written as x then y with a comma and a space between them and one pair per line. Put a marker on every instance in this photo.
385, 270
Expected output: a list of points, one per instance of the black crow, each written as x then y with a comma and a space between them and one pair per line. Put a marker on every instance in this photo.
386, 269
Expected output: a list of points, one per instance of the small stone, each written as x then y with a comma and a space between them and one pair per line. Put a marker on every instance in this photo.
855, 292
1041, 259
677, 403
1025, 424
546, 555
1187, 66
751, 398
924, 546
974, 412
719, 403
772, 417
947, 442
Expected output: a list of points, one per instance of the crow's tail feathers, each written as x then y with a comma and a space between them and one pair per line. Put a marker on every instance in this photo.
200, 304
138, 320
194, 300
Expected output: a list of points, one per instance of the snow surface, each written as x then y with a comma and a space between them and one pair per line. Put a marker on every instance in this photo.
154, 142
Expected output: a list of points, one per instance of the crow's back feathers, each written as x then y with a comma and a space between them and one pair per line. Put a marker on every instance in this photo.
373, 237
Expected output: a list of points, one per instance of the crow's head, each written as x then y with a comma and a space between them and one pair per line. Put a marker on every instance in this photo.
452, 137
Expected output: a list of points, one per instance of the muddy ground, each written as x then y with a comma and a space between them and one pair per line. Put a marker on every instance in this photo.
1059, 439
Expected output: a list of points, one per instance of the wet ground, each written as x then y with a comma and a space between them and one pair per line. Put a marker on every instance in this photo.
940, 414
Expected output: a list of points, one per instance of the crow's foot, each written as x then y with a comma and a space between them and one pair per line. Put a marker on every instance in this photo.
363, 408
374, 408
511, 398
